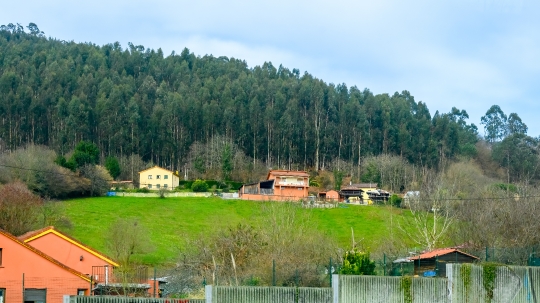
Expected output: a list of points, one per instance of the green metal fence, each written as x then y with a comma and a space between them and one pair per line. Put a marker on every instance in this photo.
120, 299
246, 294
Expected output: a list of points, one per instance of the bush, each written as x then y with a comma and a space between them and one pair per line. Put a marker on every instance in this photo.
185, 184
357, 263
142, 190
199, 186
395, 200
234, 185
20, 209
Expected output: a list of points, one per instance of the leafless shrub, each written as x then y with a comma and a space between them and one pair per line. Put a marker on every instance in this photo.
244, 254
19, 208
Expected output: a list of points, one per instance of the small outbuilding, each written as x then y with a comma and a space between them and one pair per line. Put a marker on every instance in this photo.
330, 195
434, 262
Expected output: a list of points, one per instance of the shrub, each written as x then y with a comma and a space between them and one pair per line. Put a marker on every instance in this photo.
395, 200
185, 184
19, 208
234, 185
199, 186
357, 263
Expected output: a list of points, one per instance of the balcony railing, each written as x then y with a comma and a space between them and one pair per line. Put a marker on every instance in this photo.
299, 183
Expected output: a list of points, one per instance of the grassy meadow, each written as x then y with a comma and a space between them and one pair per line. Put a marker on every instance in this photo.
171, 222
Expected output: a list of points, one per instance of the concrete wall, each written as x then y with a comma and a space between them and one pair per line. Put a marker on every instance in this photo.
168, 194
256, 197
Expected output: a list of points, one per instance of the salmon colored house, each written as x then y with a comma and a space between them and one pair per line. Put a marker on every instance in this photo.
330, 195
66, 250
29, 275
280, 185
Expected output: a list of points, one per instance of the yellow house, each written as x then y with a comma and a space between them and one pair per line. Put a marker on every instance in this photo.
157, 177
360, 193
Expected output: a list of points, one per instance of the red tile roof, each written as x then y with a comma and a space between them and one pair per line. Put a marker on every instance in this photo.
439, 252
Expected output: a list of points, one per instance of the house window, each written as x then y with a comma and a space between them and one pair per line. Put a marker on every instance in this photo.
149, 177
80, 292
158, 176
299, 188
165, 176
149, 186
35, 295
0, 259
164, 185
2, 295
157, 185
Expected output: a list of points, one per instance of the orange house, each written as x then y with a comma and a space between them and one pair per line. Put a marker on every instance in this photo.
330, 195
280, 185
29, 275
66, 250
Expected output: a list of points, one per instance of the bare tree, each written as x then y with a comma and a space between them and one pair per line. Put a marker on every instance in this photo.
244, 254
431, 214
99, 177
127, 237
19, 209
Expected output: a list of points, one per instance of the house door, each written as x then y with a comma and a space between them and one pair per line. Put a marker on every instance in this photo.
33, 295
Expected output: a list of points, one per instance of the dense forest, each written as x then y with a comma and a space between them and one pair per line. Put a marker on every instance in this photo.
169, 110
137, 100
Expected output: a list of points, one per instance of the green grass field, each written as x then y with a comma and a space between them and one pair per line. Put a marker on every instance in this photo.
172, 221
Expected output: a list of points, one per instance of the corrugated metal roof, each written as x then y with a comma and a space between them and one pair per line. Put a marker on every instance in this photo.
440, 252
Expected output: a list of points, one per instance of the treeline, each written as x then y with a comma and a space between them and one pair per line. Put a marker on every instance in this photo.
139, 101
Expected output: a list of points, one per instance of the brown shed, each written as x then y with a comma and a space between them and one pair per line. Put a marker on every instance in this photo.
436, 260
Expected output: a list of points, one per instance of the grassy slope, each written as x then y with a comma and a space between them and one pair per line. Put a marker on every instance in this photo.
171, 221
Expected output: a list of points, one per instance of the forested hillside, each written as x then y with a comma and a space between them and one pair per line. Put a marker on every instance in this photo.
139, 101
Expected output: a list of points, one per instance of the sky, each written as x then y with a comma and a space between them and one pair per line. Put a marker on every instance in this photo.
469, 54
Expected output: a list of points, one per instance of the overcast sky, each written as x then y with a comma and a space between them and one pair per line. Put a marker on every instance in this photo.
470, 54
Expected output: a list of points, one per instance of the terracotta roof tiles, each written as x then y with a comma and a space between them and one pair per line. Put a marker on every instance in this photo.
439, 252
